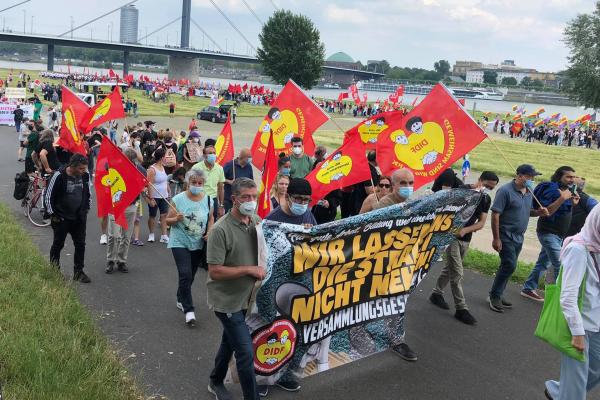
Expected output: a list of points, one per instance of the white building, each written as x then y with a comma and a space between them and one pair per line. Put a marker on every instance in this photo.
476, 75
129, 24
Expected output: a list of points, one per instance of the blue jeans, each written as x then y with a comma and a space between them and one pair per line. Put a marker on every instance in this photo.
577, 378
236, 339
187, 262
550, 253
508, 263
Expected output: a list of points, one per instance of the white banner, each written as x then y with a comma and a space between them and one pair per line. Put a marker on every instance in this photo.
6, 113
15, 93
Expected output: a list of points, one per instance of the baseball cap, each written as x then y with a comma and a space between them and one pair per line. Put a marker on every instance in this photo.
526, 169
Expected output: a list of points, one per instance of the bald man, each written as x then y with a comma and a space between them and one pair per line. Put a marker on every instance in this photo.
402, 189
240, 167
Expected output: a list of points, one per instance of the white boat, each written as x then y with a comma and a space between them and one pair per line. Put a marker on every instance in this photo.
331, 86
463, 93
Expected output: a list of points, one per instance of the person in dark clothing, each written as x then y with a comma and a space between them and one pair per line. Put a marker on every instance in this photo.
241, 167
446, 180
363, 189
296, 210
67, 201
582, 209
326, 208
18, 117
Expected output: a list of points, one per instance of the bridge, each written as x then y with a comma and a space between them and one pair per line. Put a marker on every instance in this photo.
183, 60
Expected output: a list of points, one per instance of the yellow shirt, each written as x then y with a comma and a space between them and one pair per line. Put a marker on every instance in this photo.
214, 176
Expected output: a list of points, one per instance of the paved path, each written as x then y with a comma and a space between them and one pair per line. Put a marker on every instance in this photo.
498, 359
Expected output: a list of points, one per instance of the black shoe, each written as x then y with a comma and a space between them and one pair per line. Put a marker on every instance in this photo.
263, 390
547, 394
80, 276
506, 303
122, 267
439, 301
220, 392
465, 316
405, 352
496, 304
110, 267
290, 386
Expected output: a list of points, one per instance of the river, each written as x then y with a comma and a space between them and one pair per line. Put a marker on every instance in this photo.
500, 107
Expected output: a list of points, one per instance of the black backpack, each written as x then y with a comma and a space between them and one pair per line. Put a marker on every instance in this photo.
21, 185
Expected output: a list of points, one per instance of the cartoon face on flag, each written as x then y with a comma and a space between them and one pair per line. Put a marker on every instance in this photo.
284, 124
430, 138
370, 129
115, 182
335, 169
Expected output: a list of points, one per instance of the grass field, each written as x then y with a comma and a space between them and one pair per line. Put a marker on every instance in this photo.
50, 348
487, 264
546, 159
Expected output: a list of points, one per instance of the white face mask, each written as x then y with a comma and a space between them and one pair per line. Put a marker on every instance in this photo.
297, 150
485, 190
247, 208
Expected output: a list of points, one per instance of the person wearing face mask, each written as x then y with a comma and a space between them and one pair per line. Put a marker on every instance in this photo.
284, 164
190, 222
300, 163
215, 179
232, 257
402, 189
241, 167
582, 209
295, 210
511, 211
452, 270
134, 143
559, 196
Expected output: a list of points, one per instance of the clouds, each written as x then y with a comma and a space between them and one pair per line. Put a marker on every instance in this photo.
413, 33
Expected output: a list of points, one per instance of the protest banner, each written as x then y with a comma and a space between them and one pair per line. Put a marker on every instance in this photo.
337, 292
6, 113
15, 93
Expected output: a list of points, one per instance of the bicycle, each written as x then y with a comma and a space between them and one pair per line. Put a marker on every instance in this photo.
33, 203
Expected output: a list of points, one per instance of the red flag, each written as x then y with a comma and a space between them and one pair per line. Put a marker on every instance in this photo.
231, 88
111, 107
430, 138
354, 92
393, 98
415, 101
253, 90
111, 73
342, 96
261, 90
224, 145
370, 129
462, 102
73, 112
344, 167
117, 182
516, 128
365, 97
268, 177
292, 114
245, 87
400, 91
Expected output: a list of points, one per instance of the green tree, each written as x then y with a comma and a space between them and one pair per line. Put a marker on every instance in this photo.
527, 81
291, 47
509, 81
537, 83
442, 67
582, 35
490, 77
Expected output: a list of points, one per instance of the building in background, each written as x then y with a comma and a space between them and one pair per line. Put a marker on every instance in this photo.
129, 24
461, 68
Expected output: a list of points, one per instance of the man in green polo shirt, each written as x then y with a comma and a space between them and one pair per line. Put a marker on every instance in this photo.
232, 257
215, 179
301, 163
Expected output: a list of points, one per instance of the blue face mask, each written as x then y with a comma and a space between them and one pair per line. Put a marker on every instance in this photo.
196, 190
211, 158
298, 209
285, 171
406, 191
530, 183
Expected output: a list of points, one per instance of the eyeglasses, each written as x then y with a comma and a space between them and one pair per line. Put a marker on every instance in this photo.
300, 200
385, 185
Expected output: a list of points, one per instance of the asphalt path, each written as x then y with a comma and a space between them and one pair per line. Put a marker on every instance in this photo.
497, 359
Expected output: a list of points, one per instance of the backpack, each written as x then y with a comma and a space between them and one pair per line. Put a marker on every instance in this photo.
21, 185
170, 159
194, 151
180, 152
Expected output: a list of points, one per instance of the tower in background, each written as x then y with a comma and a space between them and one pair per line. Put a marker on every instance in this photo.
129, 24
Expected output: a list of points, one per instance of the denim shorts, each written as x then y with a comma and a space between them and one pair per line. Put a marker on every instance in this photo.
161, 204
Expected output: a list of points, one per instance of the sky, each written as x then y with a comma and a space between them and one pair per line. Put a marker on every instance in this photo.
407, 33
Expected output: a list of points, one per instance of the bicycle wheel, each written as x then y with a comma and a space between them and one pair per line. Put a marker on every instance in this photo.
36, 211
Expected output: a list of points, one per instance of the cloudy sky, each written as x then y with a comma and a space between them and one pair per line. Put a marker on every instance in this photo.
412, 33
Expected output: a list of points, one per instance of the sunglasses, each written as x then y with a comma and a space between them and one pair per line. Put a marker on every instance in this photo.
385, 185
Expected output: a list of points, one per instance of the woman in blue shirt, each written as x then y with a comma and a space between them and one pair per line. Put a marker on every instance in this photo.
190, 221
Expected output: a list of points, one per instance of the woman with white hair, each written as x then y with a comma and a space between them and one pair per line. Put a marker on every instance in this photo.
580, 257
190, 221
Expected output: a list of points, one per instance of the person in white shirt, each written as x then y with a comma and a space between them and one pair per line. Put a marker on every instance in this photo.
580, 258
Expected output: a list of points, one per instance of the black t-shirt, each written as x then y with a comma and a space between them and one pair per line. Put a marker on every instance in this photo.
73, 197
483, 207
18, 114
96, 137
149, 136
52, 157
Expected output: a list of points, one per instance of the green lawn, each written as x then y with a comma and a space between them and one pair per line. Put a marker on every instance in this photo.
546, 159
50, 348
487, 264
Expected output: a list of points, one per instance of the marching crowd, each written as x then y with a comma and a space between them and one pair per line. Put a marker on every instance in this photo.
205, 214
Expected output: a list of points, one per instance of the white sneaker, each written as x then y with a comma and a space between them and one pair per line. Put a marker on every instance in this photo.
151, 237
190, 318
180, 306
164, 239
103, 239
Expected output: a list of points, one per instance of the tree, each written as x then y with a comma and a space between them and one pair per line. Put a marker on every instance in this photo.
442, 67
509, 81
537, 83
291, 47
490, 77
526, 81
582, 35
